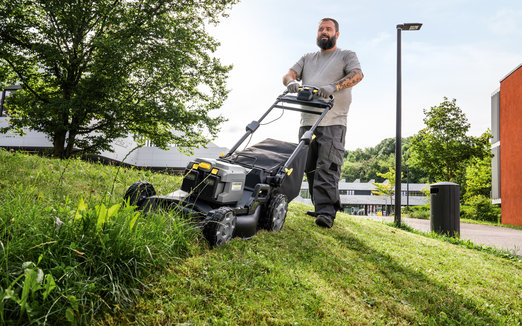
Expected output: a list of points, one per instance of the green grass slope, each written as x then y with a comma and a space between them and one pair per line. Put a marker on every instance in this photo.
111, 266
359, 272
70, 249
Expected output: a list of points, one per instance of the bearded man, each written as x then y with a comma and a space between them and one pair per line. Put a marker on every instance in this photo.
334, 72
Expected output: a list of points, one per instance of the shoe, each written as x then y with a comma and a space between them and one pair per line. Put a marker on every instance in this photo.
324, 221
312, 213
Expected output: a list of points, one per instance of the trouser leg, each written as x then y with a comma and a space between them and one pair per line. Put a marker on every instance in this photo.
323, 167
311, 160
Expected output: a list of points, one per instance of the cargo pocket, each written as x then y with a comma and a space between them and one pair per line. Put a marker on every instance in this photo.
336, 156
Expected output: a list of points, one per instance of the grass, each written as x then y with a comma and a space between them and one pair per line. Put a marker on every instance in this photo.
470, 221
360, 272
69, 247
105, 265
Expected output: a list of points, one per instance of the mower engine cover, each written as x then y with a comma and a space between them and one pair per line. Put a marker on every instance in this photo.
270, 155
214, 181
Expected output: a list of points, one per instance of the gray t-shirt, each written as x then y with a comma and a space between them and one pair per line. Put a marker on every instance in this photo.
323, 68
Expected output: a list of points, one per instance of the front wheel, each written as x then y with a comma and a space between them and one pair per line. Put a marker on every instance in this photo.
220, 226
138, 192
275, 216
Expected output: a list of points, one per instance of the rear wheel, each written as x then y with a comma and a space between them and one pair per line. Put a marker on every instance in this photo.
138, 192
220, 226
275, 216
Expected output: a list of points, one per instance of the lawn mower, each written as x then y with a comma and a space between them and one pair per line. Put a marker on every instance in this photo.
241, 192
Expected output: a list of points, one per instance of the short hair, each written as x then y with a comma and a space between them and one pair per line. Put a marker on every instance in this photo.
333, 21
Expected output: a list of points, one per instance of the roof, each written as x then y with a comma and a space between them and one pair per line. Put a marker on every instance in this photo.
511, 72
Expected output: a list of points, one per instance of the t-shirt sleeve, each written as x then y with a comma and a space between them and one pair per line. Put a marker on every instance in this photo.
298, 67
351, 62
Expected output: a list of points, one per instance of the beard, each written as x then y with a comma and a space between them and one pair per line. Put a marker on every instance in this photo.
326, 44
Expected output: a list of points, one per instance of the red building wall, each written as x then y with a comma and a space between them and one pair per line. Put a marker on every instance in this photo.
511, 147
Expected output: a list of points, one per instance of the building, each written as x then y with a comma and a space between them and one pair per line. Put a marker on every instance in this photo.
357, 197
506, 165
124, 150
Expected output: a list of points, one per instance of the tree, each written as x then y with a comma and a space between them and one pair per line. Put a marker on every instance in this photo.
94, 71
386, 189
478, 178
443, 148
366, 164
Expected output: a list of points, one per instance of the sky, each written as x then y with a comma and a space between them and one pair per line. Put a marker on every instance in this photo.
463, 50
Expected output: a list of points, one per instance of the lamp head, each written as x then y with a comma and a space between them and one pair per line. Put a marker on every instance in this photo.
409, 26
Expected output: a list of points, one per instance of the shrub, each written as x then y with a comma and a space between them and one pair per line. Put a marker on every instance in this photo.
466, 212
481, 209
421, 212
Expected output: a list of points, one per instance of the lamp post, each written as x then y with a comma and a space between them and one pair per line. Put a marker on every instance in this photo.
407, 188
398, 139
7, 89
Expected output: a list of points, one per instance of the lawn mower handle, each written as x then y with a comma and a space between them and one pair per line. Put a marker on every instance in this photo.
291, 99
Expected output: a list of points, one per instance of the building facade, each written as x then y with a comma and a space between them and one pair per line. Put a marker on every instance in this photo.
124, 150
506, 166
358, 198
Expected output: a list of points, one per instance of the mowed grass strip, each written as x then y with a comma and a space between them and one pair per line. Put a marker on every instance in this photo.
358, 272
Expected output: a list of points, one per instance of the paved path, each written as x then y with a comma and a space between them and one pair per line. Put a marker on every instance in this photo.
490, 236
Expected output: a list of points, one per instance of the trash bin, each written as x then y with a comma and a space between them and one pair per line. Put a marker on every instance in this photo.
445, 208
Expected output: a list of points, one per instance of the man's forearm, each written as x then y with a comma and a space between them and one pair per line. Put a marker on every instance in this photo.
290, 75
350, 80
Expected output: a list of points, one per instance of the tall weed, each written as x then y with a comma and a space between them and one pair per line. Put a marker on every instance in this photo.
69, 247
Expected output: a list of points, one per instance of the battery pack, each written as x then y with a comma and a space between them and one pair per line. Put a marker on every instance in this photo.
214, 181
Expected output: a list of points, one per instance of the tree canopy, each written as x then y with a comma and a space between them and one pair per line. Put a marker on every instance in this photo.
370, 163
443, 148
94, 71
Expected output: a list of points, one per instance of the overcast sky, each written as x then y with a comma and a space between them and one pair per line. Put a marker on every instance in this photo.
464, 49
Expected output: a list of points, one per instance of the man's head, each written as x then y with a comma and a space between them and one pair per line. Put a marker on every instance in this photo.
327, 34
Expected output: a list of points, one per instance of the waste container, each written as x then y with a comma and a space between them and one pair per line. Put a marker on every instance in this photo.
445, 208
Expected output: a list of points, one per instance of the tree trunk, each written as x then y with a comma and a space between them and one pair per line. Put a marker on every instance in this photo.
70, 144
59, 144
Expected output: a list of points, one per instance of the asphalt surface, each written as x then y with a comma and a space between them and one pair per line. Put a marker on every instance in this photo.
487, 235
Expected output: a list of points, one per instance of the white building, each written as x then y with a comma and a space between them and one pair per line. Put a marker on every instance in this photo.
357, 197
147, 156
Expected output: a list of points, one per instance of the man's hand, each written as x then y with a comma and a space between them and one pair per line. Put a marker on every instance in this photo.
292, 86
326, 91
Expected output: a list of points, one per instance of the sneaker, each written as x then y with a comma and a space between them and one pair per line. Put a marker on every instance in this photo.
312, 213
324, 221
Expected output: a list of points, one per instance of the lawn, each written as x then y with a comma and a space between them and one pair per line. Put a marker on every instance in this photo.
108, 265
359, 272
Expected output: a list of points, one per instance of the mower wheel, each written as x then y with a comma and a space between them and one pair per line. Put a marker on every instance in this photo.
275, 216
138, 192
220, 226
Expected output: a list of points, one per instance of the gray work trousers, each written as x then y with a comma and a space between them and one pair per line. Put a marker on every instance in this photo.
323, 167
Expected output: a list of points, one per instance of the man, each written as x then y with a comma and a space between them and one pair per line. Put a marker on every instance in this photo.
334, 72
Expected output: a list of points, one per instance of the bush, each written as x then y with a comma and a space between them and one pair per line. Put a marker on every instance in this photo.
466, 212
480, 208
421, 212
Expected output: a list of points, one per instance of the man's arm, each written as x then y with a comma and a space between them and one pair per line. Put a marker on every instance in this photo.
350, 80
289, 76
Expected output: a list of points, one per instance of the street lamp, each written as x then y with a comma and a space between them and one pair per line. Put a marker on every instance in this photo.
407, 188
398, 139
7, 89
